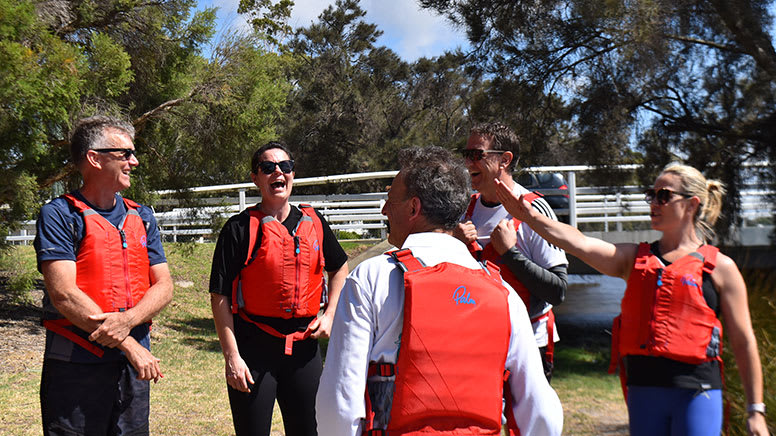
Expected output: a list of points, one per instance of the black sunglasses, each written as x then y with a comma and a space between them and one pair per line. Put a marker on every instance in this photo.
662, 195
476, 154
268, 167
127, 153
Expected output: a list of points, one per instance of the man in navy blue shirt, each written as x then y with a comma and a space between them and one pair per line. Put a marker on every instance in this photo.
105, 277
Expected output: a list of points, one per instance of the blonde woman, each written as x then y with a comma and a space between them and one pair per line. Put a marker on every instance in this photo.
667, 338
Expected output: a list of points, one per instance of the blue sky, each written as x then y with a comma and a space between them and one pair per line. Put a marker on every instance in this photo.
407, 30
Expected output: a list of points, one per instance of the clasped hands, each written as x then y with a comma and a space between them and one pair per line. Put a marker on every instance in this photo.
113, 332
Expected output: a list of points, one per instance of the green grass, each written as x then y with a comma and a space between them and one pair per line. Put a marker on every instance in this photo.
191, 399
193, 390
592, 399
20, 403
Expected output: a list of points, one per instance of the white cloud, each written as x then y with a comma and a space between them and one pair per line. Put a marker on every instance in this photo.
228, 18
408, 30
306, 11
411, 31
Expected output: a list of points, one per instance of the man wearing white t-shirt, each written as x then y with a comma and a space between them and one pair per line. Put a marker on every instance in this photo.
536, 269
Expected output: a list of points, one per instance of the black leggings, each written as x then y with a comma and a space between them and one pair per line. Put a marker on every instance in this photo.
293, 380
547, 362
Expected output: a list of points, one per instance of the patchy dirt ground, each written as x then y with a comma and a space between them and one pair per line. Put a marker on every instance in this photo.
22, 339
21, 335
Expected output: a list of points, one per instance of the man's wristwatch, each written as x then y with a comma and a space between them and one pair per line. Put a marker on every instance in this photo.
756, 407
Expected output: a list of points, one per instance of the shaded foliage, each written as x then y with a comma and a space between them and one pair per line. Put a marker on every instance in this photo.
677, 80
581, 82
196, 118
354, 104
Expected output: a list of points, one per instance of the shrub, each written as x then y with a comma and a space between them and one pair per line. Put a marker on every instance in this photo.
19, 286
344, 234
18, 265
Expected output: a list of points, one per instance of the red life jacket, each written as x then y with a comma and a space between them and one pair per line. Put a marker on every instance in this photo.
449, 375
663, 312
112, 265
285, 277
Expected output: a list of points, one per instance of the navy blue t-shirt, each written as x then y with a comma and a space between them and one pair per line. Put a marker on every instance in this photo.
59, 229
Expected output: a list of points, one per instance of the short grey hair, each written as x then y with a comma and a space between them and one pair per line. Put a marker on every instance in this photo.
89, 133
440, 180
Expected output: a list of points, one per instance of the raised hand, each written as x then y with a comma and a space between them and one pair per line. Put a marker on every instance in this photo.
517, 206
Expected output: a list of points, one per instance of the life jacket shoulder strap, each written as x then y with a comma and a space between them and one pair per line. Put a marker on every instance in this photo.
84, 209
709, 253
643, 253
472, 204
79, 205
255, 217
405, 260
310, 212
491, 269
82, 206
131, 204
529, 197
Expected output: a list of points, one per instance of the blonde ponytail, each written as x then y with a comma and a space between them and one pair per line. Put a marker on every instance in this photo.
710, 192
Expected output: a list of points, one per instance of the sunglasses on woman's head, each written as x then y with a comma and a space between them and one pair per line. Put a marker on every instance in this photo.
268, 167
662, 195
476, 154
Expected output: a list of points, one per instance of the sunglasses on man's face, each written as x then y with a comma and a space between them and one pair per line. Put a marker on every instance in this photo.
662, 195
476, 154
127, 153
268, 167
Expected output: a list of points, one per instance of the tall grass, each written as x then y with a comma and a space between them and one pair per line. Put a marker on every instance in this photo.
761, 285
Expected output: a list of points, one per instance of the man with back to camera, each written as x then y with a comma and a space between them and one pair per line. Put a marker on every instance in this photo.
105, 277
430, 312
536, 269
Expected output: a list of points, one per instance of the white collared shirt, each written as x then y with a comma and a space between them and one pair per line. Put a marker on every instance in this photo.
367, 327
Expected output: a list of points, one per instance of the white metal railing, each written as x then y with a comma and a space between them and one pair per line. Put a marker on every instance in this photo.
361, 213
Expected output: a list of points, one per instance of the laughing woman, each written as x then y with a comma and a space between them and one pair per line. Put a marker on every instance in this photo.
668, 336
266, 284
